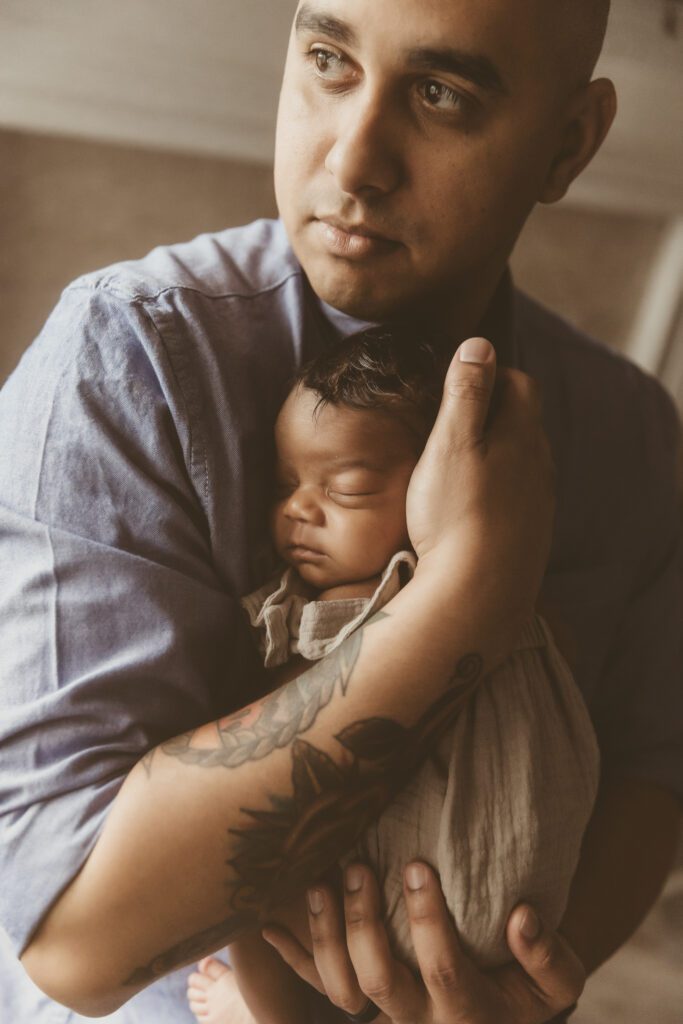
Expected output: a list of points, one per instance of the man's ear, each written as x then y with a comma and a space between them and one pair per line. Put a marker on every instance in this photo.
588, 118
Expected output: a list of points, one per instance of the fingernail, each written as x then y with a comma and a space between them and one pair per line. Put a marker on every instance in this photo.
475, 350
268, 936
416, 877
316, 901
353, 879
530, 926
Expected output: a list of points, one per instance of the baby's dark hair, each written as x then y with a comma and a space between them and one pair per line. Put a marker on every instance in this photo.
380, 369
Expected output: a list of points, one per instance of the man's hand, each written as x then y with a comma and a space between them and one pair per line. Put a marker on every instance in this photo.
483, 492
352, 962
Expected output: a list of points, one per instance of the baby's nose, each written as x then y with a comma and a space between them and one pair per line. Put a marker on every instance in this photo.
303, 504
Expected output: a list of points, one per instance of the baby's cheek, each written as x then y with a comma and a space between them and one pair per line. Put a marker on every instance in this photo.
382, 537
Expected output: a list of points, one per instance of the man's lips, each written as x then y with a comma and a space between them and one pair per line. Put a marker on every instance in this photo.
353, 241
360, 228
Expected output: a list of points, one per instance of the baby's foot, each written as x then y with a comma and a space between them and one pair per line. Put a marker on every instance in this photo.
214, 997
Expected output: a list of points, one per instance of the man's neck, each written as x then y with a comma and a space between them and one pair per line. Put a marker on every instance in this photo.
486, 311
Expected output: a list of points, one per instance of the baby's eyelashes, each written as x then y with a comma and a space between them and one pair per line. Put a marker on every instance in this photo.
351, 498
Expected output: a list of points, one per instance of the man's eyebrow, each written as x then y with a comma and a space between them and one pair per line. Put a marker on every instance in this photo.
310, 20
475, 68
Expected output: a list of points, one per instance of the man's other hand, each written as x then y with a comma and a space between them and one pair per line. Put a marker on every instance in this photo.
352, 961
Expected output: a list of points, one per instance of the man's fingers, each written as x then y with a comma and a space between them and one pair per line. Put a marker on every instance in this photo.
294, 954
381, 977
467, 393
547, 958
446, 971
330, 951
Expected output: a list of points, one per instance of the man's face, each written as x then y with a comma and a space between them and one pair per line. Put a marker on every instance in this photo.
342, 476
414, 137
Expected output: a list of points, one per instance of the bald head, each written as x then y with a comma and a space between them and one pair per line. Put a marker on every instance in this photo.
578, 30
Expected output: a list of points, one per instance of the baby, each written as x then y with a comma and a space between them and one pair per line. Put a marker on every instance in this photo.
500, 807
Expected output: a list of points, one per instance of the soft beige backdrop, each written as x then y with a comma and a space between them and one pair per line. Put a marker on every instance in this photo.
68, 206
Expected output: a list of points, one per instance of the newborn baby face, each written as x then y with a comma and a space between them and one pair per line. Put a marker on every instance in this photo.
341, 476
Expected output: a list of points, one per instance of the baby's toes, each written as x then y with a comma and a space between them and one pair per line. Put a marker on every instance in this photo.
199, 1008
212, 968
196, 995
199, 981
200, 1011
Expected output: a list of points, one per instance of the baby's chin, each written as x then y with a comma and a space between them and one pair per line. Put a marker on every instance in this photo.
317, 576
323, 574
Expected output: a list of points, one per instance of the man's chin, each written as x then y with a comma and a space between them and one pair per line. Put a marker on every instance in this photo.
367, 299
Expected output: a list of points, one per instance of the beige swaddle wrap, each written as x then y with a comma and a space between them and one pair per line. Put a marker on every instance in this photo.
500, 808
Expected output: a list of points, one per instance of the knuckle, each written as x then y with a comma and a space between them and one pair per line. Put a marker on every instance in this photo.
380, 988
356, 920
441, 976
421, 910
345, 997
319, 939
469, 389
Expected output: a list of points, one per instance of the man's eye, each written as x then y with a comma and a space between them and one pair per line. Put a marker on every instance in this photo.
441, 96
326, 63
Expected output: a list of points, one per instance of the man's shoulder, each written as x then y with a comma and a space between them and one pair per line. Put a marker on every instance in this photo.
590, 375
241, 262
153, 329
119, 321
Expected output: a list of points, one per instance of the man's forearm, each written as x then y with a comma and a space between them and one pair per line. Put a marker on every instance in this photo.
627, 853
218, 825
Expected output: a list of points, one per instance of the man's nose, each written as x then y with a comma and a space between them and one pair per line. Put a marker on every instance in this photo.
365, 158
304, 506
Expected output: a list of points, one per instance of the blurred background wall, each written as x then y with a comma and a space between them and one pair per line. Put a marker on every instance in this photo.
126, 125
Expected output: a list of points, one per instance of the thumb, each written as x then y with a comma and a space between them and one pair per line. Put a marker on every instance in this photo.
547, 958
467, 392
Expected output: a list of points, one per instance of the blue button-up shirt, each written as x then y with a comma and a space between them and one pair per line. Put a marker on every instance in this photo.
135, 439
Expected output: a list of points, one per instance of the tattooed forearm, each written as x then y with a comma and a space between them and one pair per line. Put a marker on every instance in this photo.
275, 721
192, 949
284, 848
287, 846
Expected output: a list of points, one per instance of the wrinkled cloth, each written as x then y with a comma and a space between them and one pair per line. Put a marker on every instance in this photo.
287, 621
500, 808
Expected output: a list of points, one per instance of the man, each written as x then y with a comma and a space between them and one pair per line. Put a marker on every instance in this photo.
413, 141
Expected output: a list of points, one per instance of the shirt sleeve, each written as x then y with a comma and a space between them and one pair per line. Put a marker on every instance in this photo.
115, 631
639, 714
